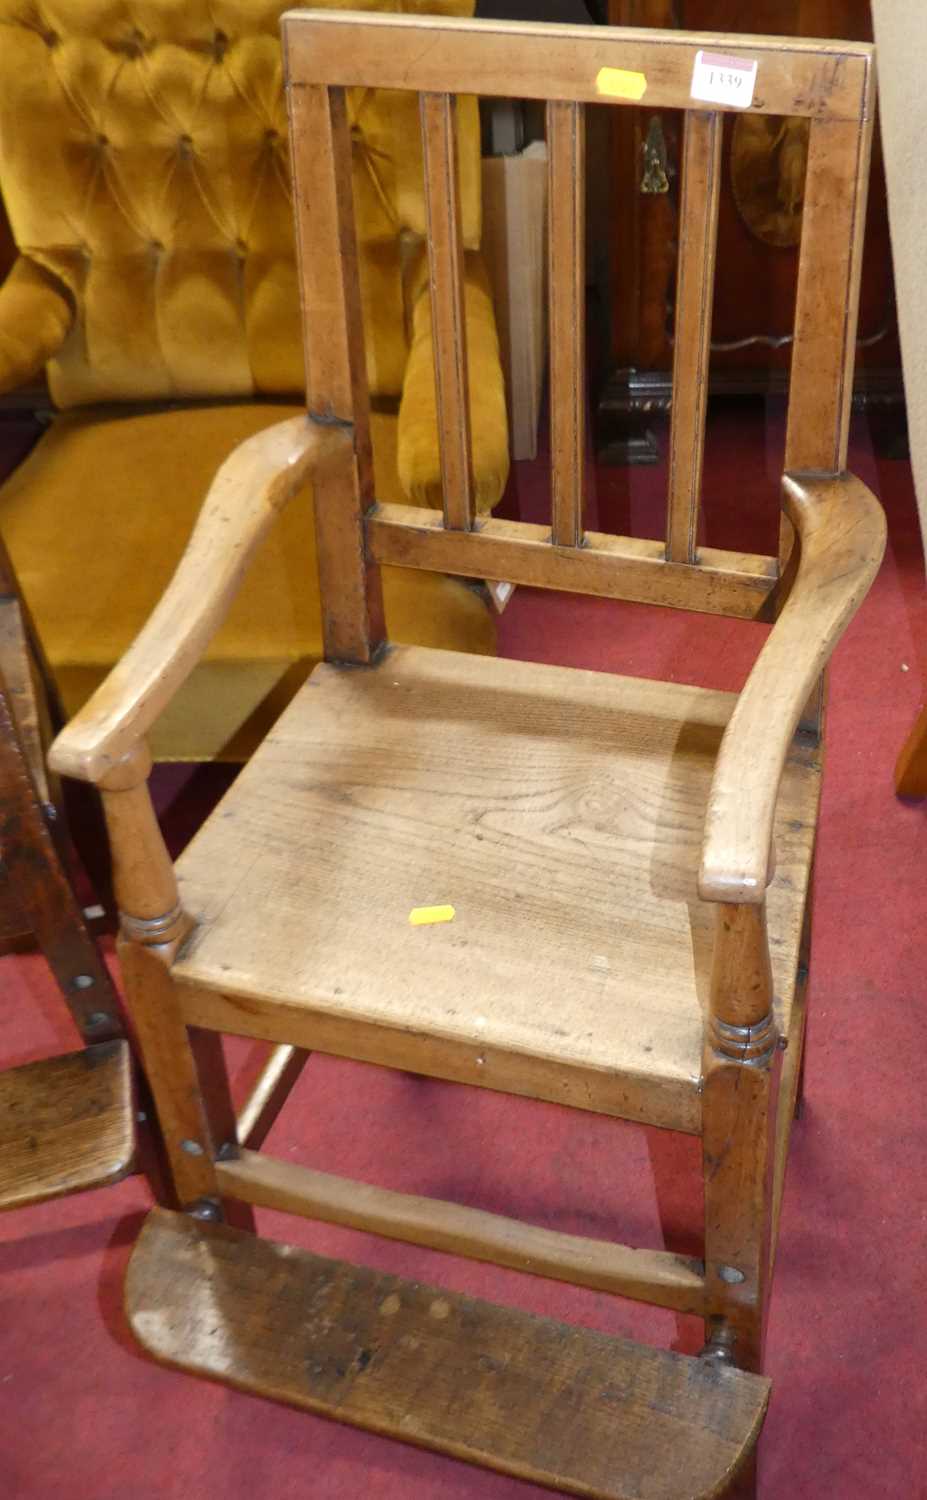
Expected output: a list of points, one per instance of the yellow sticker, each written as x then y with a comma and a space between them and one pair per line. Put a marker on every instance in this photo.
426, 916
620, 83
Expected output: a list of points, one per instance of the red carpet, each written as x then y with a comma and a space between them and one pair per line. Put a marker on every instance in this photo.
84, 1416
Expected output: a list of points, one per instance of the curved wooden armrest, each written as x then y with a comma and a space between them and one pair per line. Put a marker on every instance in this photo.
247, 494
840, 529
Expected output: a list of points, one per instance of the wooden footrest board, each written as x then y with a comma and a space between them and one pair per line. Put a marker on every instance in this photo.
66, 1123
563, 1406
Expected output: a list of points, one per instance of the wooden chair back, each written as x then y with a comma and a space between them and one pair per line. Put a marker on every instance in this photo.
832, 83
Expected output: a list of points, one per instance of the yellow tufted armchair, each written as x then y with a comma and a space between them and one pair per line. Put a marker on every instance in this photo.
145, 168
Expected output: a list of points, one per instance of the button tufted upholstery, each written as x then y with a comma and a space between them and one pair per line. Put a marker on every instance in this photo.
145, 168
145, 165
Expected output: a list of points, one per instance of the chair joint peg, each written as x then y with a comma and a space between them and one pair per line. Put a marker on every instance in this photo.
719, 1346
207, 1209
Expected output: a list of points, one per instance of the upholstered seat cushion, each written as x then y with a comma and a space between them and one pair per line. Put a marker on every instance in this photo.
96, 519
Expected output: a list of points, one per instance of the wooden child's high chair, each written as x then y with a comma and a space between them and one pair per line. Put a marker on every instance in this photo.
654, 968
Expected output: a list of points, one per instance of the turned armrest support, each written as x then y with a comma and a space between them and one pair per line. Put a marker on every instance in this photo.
840, 533
248, 493
144, 882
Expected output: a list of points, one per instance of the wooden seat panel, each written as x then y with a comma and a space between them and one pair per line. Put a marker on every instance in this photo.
66, 1124
592, 1414
560, 812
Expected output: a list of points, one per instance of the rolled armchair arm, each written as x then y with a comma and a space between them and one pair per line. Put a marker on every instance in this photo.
35, 319
418, 452
247, 494
840, 529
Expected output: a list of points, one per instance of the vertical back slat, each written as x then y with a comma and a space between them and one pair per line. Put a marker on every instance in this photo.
833, 221
698, 236
446, 263
336, 374
566, 124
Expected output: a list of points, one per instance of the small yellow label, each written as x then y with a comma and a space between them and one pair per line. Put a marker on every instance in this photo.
426, 916
620, 83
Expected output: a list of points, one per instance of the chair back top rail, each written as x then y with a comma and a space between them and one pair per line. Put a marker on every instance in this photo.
825, 80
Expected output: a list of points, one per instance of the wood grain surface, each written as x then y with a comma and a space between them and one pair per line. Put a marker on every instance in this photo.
337, 393
566, 196
614, 567
841, 532
560, 812
592, 1414
649, 1275
448, 322
37, 898
698, 236
825, 80
66, 1123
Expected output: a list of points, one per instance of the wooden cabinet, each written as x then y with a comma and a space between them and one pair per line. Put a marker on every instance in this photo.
758, 232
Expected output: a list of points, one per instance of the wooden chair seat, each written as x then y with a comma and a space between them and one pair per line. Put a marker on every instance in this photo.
489, 1384
560, 812
66, 1123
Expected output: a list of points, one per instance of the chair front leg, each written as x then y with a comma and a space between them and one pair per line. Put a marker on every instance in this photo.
741, 1077
152, 927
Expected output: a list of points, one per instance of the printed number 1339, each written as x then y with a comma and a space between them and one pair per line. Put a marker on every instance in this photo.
723, 80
